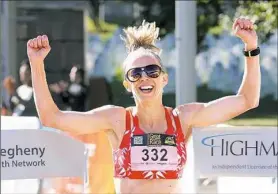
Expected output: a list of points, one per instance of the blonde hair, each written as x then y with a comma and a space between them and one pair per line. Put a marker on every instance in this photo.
144, 36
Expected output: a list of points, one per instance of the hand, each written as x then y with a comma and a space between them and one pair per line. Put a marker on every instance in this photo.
244, 29
37, 49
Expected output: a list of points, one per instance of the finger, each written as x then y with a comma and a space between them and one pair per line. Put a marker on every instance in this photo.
39, 41
246, 24
236, 30
250, 24
241, 23
235, 23
239, 31
31, 44
35, 43
45, 42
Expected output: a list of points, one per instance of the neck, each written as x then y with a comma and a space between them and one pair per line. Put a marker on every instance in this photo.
150, 114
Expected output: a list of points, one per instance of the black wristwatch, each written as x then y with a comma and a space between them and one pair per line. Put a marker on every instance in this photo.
252, 53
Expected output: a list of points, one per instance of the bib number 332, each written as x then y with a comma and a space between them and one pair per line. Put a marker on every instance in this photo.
154, 158
154, 154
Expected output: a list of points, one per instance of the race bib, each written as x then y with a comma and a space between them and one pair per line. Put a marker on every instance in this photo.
153, 152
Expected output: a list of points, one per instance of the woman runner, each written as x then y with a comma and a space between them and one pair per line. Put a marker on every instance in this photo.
149, 139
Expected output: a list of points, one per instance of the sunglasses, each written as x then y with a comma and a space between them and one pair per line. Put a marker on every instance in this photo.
152, 71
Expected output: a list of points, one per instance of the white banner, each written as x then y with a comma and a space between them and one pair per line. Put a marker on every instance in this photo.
28, 154
20, 185
22, 122
236, 151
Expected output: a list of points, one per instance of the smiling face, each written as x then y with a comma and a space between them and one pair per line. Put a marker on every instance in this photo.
146, 88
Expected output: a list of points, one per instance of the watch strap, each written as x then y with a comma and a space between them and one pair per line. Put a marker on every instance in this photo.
252, 53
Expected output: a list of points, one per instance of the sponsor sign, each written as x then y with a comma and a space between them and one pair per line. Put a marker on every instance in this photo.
28, 154
20, 185
236, 151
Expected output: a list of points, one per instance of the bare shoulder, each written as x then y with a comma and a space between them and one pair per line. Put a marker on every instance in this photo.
117, 118
117, 113
187, 111
114, 115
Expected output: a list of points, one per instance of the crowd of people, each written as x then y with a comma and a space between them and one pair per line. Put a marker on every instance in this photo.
73, 93
70, 95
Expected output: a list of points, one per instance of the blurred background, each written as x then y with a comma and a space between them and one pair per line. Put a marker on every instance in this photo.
84, 66
85, 34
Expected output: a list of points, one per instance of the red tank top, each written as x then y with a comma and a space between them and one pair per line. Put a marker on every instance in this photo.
150, 156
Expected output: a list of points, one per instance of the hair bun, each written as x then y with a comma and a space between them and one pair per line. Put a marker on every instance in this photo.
144, 36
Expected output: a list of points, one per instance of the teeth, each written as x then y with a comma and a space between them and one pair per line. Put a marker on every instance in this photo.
146, 87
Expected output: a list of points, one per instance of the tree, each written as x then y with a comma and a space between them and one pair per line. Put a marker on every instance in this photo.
262, 13
213, 16
163, 13
160, 11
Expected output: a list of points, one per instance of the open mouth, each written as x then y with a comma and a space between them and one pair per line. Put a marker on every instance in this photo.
146, 89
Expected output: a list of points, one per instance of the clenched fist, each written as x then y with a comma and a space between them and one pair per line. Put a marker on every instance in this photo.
244, 29
37, 49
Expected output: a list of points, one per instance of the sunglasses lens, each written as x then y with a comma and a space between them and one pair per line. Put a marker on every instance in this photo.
134, 74
153, 71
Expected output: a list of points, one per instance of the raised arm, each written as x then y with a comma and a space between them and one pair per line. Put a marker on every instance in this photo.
49, 114
223, 109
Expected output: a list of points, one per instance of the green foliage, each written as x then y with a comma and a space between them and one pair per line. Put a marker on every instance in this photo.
207, 18
163, 13
213, 16
119, 73
262, 13
160, 11
105, 32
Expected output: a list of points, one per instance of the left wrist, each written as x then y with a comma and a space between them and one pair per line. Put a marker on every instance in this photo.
250, 46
